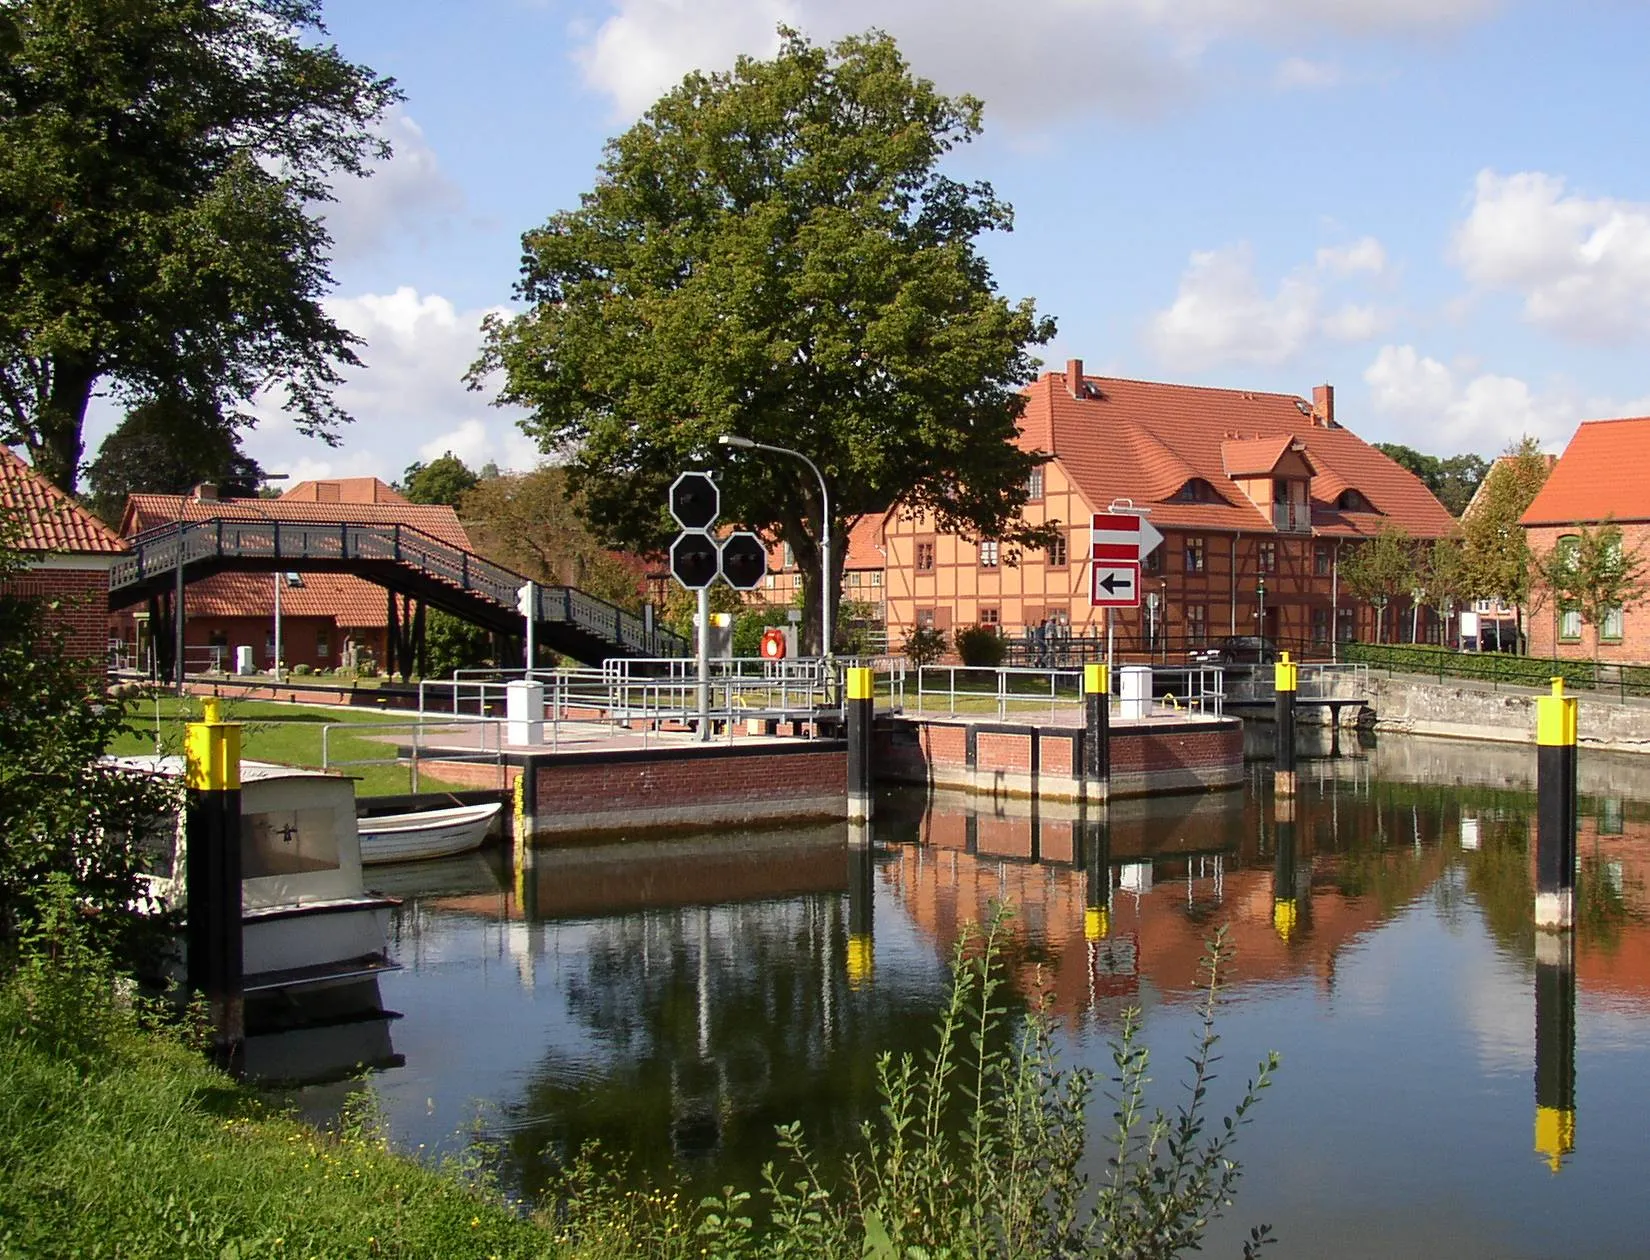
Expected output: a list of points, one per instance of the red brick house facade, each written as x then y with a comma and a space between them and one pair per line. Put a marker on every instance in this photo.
1249, 491
1604, 474
67, 552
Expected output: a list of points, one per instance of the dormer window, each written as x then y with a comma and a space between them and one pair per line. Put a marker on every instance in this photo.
1353, 501
1196, 490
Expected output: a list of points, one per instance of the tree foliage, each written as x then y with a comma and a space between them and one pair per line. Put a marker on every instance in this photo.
1497, 553
444, 480
1592, 573
774, 253
1382, 570
1453, 479
159, 165
1441, 575
63, 815
167, 446
531, 522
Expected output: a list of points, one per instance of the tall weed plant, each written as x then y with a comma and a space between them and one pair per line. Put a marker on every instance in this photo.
981, 1150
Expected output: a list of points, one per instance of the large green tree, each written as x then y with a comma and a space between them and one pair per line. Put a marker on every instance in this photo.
1382, 570
444, 480
775, 253
1454, 479
161, 162
167, 446
1497, 553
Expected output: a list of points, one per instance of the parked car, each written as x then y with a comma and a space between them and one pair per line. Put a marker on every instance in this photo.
1236, 650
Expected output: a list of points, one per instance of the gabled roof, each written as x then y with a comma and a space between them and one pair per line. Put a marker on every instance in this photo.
146, 511
344, 490
1603, 473
1257, 457
50, 520
1143, 440
352, 602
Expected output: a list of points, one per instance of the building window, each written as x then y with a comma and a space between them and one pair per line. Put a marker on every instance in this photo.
1346, 629
925, 619
1320, 562
1569, 624
1152, 561
925, 557
1320, 625
323, 645
1034, 486
988, 554
1194, 555
1268, 557
1057, 553
789, 561
990, 617
1196, 629
1196, 490
876, 577
1352, 501
1613, 626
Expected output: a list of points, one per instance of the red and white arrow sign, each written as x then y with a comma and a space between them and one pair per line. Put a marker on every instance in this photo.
1117, 541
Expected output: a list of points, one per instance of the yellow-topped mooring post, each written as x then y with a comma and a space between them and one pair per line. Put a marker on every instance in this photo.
212, 876
1096, 732
1286, 899
1556, 721
859, 704
861, 960
1094, 830
1286, 680
1555, 1046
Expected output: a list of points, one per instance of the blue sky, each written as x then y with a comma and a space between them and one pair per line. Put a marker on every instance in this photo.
1431, 204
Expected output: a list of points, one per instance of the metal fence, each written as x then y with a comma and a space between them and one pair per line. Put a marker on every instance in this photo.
1058, 692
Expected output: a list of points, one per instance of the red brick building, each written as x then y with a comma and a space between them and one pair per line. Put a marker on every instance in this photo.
322, 614
1604, 474
67, 551
1249, 491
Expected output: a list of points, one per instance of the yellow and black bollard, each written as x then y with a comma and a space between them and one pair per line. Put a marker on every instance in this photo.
1286, 676
1555, 1047
212, 870
860, 716
1555, 842
1286, 906
1095, 858
1096, 732
861, 959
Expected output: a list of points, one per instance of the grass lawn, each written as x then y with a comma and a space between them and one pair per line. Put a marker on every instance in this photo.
286, 733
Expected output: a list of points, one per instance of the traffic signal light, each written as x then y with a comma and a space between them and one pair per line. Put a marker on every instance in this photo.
694, 501
744, 561
693, 559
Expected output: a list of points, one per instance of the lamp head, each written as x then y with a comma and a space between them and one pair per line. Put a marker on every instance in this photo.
730, 439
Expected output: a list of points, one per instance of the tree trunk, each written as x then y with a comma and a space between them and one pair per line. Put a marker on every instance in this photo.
56, 447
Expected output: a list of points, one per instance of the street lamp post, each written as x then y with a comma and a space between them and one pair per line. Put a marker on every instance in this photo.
274, 546
746, 444
1260, 616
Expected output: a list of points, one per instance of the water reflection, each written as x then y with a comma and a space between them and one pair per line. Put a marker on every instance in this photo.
676, 1000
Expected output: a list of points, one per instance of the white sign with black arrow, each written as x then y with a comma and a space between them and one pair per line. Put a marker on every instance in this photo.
1116, 585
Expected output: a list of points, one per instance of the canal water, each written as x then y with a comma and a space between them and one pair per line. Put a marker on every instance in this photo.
677, 999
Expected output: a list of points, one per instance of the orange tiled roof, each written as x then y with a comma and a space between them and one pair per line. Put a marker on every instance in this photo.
1254, 457
1604, 472
1143, 441
352, 602
344, 490
50, 520
146, 511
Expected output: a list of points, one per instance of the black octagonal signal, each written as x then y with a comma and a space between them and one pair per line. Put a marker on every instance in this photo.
744, 561
694, 501
693, 559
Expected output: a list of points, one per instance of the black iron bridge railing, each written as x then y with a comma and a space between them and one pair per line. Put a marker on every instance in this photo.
159, 554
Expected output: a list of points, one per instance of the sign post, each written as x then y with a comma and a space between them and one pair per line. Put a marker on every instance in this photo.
1118, 538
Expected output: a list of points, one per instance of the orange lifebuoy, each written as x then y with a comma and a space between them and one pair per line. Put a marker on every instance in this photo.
773, 644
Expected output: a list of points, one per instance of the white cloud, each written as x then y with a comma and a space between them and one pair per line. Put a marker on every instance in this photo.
409, 401
1295, 74
1222, 314
1581, 264
1032, 63
1436, 407
408, 195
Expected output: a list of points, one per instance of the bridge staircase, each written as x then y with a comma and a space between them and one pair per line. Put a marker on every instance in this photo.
403, 560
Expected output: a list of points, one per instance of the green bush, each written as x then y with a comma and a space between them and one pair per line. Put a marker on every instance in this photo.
1523, 671
924, 645
981, 646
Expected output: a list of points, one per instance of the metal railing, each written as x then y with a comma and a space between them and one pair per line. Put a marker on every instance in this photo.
168, 548
422, 750
1006, 690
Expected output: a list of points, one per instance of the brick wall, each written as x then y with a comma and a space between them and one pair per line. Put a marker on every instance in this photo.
1634, 645
81, 611
627, 782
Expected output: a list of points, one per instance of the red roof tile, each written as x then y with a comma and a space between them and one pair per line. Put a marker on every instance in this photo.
1254, 457
1143, 441
344, 490
351, 602
1604, 472
50, 520
146, 511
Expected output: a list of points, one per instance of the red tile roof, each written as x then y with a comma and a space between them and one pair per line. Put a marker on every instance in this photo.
1604, 472
50, 520
1254, 457
1143, 441
344, 490
353, 603
146, 511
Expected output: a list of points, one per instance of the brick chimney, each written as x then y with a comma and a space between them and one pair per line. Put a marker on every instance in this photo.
1074, 378
1323, 405
206, 492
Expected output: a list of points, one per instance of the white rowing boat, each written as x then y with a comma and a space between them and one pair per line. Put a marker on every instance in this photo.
430, 833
